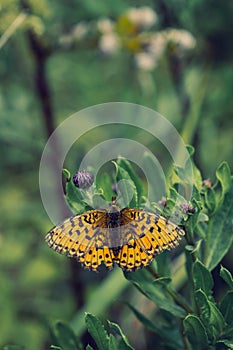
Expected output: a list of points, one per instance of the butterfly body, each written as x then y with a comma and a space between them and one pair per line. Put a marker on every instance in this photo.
129, 237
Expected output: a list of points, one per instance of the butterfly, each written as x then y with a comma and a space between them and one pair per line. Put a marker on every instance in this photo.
131, 238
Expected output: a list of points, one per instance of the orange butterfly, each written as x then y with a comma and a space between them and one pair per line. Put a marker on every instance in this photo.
129, 237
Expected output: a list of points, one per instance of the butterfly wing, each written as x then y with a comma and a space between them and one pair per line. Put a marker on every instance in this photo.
83, 237
146, 234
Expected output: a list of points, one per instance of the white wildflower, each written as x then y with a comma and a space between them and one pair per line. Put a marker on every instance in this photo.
157, 44
105, 25
142, 17
109, 43
182, 38
145, 61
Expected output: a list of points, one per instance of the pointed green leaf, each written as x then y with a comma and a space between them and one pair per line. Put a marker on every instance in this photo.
204, 308
66, 337
89, 347
104, 183
223, 174
74, 198
202, 278
113, 343
97, 331
124, 163
128, 191
210, 315
195, 332
210, 200
155, 290
226, 307
216, 319
220, 233
170, 335
66, 174
124, 343
226, 275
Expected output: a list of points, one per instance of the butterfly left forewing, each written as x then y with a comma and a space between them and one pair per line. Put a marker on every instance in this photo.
84, 237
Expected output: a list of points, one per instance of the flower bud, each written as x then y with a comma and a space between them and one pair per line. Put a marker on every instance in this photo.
187, 208
83, 179
207, 183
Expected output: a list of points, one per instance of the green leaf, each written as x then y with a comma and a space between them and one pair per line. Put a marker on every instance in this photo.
228, 332
124, 163
216, 319
66, 174
195, 332
89, 347
190, 174
155, 177
228, 344
210, 200
128, 192
97, 331
65, 336
170, 335
190, 149
226, 276
220, 233
113, 344
226, 307
202, 278
204, 307
123, 343
155, 290
104, 183
74, 198
223, 174
210, 315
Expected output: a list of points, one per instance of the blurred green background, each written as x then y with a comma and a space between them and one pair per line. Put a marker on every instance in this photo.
51, 67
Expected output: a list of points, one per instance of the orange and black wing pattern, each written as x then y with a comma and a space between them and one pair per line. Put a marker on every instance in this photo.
129, 237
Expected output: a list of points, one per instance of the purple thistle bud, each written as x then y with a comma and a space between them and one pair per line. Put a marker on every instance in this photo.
187, 208
83, 179
162, 202
191, 209
184, 207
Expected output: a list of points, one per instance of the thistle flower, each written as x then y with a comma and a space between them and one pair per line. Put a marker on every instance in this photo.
187, 208
83, 179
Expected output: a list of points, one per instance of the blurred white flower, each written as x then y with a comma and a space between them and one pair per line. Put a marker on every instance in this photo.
105, 25
142, 16
182, 38
156, 44
80, 30
109, 43
145, 61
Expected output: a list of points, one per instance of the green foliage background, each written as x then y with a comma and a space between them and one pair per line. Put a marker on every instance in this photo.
39, 287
